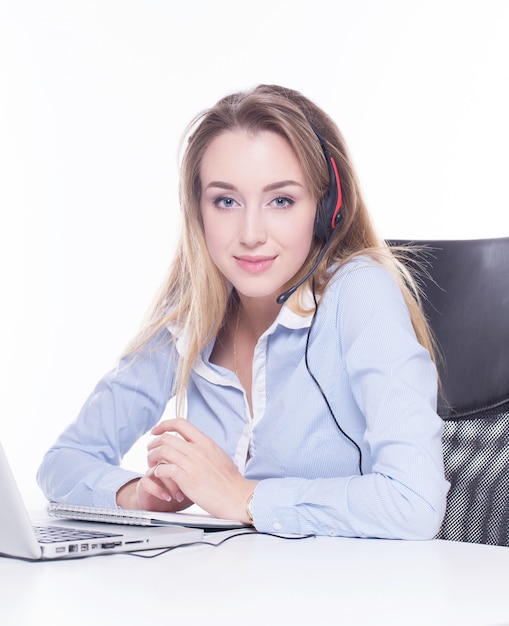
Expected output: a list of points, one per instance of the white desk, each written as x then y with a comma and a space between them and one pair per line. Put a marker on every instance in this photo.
267, 581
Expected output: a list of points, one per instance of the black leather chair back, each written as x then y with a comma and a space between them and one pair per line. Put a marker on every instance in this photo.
465, 288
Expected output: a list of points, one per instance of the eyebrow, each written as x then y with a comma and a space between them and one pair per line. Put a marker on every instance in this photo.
272, 187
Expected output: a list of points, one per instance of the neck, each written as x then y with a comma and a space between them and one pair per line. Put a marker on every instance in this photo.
256, 315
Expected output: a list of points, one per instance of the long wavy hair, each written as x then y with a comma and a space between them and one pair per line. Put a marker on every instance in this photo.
195, 299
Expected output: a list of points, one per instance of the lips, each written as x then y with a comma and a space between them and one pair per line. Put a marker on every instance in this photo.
255, 264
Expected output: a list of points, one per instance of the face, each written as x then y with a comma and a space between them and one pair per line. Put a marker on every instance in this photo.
258, 212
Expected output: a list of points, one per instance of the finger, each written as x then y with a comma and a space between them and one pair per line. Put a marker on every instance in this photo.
165, 473
170, 473
172, 456
169, 486
162, 449
152, 486
163, 488
180, 426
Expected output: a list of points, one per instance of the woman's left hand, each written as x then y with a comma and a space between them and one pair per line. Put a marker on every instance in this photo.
202, 470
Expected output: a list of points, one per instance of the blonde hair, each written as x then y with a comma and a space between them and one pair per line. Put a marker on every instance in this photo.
195, 298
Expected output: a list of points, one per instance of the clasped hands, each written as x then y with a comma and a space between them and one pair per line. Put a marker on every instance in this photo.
186, 469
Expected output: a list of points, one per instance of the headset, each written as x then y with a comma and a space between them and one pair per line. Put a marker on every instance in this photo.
328, 213
328, 216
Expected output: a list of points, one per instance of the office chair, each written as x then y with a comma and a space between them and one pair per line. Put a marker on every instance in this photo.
465, 286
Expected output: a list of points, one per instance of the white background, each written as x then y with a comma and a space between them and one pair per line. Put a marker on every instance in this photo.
94, 97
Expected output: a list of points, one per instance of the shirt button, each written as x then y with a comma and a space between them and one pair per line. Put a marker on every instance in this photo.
260, 387
276, 526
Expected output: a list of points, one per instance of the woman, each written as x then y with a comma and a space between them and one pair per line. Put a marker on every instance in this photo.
292, 339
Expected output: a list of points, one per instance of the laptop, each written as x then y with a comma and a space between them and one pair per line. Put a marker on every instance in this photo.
20, 537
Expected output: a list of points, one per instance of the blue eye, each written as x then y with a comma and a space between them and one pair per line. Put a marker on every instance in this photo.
282, 202
225, 202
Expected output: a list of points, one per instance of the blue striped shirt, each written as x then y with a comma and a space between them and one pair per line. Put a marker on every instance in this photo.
380, 384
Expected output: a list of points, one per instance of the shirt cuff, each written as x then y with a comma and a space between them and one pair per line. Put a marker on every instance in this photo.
274, 508
105, 491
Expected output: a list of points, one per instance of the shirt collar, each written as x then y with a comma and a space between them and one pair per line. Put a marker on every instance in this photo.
286, 317
290, 319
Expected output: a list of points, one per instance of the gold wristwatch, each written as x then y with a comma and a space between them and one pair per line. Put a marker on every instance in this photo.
249, 509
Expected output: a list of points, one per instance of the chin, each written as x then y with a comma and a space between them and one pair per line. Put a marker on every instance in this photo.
259, 294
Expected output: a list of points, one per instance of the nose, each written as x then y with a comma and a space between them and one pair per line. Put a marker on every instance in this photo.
253, 230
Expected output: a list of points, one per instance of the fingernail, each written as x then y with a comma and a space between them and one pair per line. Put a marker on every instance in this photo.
179, 496
165, 496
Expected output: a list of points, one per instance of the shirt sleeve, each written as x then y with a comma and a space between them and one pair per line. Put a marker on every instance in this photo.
402, 491
83, 466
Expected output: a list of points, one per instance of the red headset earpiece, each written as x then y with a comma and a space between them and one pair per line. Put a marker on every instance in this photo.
328, 212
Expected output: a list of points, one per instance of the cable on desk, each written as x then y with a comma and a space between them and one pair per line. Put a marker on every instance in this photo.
141, 555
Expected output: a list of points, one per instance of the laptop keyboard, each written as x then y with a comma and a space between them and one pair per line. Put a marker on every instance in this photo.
54, 534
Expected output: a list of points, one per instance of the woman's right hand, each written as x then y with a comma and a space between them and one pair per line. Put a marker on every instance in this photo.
149, 493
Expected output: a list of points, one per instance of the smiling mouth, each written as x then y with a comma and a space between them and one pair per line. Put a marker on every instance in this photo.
255, 264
